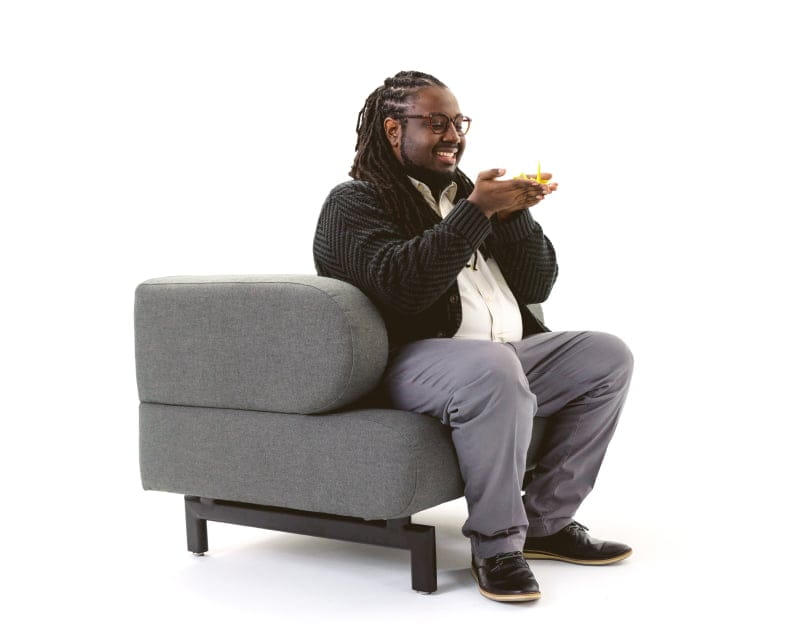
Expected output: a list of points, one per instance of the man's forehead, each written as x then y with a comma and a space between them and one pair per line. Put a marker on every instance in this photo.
434, 99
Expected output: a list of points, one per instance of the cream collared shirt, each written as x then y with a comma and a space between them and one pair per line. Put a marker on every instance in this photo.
488, 307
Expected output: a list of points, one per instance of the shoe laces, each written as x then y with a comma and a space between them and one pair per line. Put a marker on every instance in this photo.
509, 556
575, 525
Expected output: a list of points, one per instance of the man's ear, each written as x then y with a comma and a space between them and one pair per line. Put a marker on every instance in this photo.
393, 131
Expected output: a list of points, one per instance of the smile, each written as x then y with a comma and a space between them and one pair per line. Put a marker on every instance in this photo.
447, 155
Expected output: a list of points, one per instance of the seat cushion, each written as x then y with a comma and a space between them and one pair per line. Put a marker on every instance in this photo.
368, 463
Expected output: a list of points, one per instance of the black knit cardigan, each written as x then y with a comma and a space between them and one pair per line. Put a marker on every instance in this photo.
407, 263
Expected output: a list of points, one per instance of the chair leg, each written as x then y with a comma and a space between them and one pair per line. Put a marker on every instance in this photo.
196, 529
422, 557
400, 533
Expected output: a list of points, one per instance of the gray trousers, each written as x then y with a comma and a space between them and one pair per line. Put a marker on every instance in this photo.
489, 394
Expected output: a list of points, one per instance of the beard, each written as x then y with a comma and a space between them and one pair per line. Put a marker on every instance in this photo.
435, 180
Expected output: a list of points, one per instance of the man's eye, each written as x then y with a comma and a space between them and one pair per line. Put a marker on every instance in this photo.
461, 124
439, 122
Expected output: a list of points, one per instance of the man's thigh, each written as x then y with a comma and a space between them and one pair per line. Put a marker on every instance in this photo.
423, 376
563, 365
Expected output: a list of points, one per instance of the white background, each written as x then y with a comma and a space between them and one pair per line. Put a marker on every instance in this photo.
143, 139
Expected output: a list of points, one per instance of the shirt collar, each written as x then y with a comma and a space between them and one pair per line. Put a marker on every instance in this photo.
450, 191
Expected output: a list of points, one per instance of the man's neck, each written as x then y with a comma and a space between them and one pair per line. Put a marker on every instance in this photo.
434, 196
436, 182
436, 192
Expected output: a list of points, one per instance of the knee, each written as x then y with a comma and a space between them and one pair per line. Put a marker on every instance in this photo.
497, 366
613, 355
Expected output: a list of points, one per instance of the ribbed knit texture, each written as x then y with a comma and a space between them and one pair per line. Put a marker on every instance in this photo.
407, 263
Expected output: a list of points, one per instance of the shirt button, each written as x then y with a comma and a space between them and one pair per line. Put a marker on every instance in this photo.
453, 299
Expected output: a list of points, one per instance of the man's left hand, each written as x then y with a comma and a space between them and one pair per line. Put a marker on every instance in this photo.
546, 189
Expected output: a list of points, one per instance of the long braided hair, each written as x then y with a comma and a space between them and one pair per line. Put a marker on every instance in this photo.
375, 161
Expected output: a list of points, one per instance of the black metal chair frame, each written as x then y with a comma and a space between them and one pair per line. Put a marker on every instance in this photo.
399, 533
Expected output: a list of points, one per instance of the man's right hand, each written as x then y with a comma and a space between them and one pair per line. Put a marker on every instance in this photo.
493, 196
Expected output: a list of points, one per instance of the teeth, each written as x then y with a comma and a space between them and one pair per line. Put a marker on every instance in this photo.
446, 153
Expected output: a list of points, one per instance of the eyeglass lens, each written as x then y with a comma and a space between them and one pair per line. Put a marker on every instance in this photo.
440, 122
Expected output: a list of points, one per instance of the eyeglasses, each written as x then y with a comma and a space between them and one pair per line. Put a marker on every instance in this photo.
439, 123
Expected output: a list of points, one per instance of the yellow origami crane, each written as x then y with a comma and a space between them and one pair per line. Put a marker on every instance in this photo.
539, 175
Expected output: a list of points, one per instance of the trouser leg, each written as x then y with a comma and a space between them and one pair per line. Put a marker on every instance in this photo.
581, 380
479, 389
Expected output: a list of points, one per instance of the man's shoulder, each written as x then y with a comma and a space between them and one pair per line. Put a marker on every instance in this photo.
354, 198
353, 188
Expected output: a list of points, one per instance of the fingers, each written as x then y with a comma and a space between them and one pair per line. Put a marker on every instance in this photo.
492, 173
523, 184
516, 187
508, 195
538, 193
533, 187
527, 192
547, 189
529, 198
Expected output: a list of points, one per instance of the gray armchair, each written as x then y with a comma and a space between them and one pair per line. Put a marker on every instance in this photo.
257, 404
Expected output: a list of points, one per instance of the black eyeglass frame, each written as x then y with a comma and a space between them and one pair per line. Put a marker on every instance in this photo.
459, 119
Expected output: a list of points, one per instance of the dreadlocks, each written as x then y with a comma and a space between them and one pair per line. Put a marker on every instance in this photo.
375, 162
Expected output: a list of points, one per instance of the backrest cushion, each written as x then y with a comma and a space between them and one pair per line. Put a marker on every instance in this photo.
283, 343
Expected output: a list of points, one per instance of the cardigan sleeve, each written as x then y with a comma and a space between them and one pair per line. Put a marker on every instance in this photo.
525, 256
360, 242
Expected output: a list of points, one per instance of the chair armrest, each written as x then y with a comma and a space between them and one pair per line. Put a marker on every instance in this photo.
284, 343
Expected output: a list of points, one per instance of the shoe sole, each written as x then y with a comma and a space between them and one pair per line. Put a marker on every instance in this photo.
520, 597
537, 555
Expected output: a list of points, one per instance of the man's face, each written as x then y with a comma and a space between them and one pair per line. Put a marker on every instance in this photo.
427, 155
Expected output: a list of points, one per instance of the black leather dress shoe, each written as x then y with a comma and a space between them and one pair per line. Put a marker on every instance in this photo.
505, 577
573, 544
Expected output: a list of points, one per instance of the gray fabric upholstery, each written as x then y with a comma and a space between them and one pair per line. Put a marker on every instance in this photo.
371, 463
293, 344
236, 375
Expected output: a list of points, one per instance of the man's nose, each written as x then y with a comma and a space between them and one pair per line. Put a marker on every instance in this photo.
451, 134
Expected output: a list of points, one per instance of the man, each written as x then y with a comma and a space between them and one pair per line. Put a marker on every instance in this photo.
451, 267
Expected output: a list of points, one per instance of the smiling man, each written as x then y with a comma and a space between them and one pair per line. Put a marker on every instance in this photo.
451, 265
